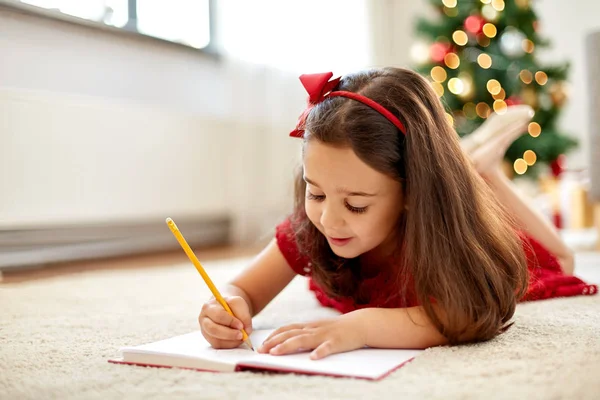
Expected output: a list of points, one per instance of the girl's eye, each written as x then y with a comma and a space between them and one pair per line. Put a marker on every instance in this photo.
357, 210
320, 197
311, 196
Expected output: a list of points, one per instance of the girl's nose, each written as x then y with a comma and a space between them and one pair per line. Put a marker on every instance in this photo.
331, 219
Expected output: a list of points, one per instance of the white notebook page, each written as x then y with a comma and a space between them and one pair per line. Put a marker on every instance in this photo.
192, 350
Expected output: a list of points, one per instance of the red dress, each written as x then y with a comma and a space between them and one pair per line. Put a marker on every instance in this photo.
546, 277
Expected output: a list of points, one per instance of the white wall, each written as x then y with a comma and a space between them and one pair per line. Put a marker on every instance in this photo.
565, 24
391, 27
67, 159
98, 126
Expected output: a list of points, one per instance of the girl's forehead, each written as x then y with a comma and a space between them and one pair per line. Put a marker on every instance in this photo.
329, 165
342, 159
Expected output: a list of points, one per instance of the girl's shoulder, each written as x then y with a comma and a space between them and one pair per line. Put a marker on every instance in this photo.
288, 245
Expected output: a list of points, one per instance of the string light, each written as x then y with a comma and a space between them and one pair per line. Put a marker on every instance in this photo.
520, 166
438, 88
530, 97
467, 81
452, 60
500, 106
460, 37
498, 5
439, 49
541, 78
474, 23
486, 1
530, 157
489, 12
493, 86
484, 61
456, 86
449, 3
483, 110
419, 52
490, 30
528, 46
500, 96
469, 110
526, 76
438, 74
534, 129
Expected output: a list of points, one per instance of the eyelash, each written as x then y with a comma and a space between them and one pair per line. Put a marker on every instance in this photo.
356, 210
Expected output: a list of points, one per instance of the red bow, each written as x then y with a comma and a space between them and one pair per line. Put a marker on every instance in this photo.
318, 86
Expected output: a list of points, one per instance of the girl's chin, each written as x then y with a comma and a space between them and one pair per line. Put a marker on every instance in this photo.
345, 252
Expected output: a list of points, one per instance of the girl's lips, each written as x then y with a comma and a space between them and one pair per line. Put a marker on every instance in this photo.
340, 241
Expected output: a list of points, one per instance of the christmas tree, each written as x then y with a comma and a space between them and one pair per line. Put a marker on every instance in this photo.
479, 56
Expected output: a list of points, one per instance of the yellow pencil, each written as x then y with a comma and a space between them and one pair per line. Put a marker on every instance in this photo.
204, 275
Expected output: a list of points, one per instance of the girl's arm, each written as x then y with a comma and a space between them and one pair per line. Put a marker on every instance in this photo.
267, 275
399, 328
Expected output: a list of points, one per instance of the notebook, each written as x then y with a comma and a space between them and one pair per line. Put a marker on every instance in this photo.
192, 351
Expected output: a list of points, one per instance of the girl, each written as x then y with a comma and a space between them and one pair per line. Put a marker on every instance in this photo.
396, 228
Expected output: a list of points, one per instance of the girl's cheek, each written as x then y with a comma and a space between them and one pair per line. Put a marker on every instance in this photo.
312, 213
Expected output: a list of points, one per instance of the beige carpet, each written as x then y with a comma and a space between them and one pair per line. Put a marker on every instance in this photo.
56, 335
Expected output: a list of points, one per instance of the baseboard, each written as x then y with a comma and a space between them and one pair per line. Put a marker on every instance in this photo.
31, 248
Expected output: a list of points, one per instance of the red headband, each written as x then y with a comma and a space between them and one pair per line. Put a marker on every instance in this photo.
319, 88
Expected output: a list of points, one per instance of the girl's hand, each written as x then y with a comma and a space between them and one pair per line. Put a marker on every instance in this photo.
324, 337
219, 328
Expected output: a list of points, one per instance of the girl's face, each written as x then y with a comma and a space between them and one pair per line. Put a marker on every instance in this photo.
353, 205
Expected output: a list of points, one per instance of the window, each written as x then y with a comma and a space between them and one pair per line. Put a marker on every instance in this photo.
182, 21
299, 36
187, 22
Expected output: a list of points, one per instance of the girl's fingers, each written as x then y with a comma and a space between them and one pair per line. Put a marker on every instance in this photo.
222, 317
284, 329
219, 331
277, 339
240, 309
296, 344
323, 350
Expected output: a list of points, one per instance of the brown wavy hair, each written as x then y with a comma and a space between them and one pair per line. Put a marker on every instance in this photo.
457, 243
